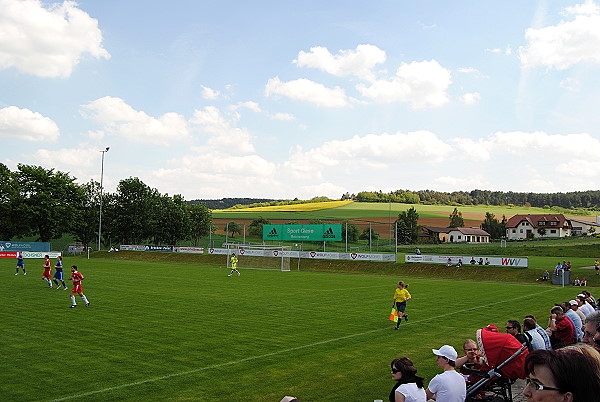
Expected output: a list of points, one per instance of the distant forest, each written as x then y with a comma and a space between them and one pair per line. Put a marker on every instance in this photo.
571, 200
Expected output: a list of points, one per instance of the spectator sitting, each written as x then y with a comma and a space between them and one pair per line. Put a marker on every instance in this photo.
417, 251
513, 327
471, 354
577, 282
584, 282
449, 262
557, 268
575, 308
562, 330
487, 262
480, 261
542, 332
450, 385
562, 375
537, 342
575, 320
584, 306
545, 276
473, 261
591, 330
590, 299
459, 263
408, 387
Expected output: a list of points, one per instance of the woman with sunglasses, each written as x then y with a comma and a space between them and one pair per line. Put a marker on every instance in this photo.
408, 387
563, 375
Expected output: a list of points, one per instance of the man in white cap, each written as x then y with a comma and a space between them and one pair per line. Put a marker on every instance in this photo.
575, 308
449, 386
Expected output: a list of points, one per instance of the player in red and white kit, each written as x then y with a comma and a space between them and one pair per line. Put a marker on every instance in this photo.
47, 275
76, 277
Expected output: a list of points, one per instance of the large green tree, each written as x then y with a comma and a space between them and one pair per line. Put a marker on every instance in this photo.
200, 221
407, 226
256, 227
50, 199
133, 211
84, 226
495, 228
171, 220
456, 219
11, 206
351, 229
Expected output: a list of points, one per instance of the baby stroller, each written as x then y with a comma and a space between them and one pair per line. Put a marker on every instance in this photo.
502, 362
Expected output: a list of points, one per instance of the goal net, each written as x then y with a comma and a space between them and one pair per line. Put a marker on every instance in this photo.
259, 256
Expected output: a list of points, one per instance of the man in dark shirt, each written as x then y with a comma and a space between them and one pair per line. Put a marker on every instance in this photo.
513, 327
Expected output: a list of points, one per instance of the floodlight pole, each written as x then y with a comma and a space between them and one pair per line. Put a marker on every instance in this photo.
101, 188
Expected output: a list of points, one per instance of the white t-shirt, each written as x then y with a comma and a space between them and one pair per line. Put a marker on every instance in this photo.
449, 386
412, 393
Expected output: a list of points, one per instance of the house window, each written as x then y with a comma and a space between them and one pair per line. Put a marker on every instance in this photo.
541, 223
553, 231
553, 223
459, 237
514, 231
521, 231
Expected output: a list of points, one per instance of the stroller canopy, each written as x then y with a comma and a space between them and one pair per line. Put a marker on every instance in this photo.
496, 347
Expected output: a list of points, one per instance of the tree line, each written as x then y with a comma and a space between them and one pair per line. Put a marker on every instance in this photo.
48, 204
570, 200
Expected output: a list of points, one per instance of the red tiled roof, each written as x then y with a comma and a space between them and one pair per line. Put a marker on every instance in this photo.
534, 220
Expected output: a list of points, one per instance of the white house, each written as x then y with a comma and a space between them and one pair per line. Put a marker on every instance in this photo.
468, 235
582, 228
521, 227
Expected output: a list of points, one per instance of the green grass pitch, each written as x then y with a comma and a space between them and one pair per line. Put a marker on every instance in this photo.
179, 332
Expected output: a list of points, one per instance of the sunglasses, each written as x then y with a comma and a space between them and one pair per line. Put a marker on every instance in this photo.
470, 350
536, 386
509, 327
395, 371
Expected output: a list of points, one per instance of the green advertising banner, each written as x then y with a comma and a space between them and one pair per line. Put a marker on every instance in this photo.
321, 232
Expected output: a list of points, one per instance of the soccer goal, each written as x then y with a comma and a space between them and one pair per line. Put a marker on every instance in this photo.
259, 256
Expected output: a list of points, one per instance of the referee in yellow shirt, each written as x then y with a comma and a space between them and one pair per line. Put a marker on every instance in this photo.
400, 297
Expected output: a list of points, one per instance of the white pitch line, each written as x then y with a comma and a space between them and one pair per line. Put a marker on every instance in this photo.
150, 380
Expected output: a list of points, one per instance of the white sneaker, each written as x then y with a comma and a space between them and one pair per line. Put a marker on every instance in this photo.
25, 273
239, 274
229, 275
17, 273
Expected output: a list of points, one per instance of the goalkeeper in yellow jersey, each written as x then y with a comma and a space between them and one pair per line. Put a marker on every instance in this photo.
400, 297
233, 259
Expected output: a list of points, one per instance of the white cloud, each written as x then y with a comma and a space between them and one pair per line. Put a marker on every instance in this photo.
81, 156
27, 125
358, 62
460, 183
471, 98
421, 84
309, 91
209, 93
250, 105
119, 119
523, 143
580, 168
467, 70
379, 151
224, 135
218, 174
47, 41
571, 84
283, 116
566, 43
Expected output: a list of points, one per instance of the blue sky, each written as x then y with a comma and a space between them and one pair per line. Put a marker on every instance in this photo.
279, 99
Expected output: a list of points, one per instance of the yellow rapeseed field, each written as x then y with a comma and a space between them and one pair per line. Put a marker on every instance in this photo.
312, 206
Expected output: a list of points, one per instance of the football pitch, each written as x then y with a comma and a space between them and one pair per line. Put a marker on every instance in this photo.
158, 331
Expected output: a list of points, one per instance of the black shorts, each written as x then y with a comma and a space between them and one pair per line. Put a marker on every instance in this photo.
401, 306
